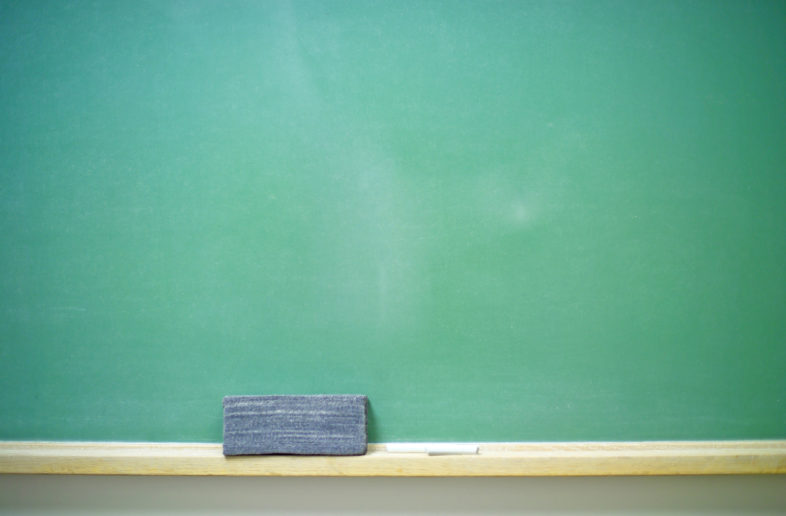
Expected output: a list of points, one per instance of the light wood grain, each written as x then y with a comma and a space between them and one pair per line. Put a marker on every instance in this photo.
493, 459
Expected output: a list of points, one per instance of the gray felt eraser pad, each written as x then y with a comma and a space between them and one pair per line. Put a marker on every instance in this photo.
322, 424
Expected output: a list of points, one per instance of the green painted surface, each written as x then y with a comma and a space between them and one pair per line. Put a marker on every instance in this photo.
499, 220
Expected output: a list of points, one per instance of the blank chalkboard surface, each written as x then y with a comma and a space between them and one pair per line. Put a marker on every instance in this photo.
501, 221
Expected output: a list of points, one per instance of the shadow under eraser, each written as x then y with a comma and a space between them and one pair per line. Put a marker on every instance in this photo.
324, 424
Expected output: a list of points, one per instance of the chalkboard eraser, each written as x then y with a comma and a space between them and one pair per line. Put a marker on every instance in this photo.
332, 424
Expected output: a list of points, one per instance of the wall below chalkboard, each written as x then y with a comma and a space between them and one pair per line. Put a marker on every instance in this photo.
144, 496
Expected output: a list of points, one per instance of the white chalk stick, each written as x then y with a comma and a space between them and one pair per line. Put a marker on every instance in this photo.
434, 448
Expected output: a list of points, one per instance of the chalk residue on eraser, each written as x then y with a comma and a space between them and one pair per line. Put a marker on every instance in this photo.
332, 424
434, 448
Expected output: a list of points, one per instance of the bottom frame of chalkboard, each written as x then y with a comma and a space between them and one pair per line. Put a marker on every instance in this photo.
492, 459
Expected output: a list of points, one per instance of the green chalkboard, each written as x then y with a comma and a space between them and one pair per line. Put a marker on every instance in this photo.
502, 221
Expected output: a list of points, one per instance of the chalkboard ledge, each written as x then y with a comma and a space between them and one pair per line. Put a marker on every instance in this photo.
493, 459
